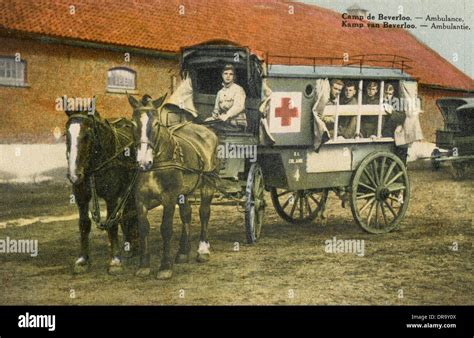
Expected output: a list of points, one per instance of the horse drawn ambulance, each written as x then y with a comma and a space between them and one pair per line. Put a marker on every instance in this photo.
310, 142
309, 130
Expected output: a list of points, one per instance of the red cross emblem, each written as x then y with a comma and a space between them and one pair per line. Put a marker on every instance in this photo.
285, 112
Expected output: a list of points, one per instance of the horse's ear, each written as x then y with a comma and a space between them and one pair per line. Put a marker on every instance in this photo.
133, 101
157, 103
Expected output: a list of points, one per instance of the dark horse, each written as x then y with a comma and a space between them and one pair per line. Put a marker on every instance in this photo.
100, 157
174, 162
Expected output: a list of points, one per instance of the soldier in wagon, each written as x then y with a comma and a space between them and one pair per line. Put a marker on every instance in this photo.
395, 116
230, 101
336, 89
348, 124
350, 94
371, 96
334, 93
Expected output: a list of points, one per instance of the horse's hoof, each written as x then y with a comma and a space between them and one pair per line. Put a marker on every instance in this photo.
164, 274
80, 269
115, 266
203, 257
82, 265
203, 252
143, 272
182, 258
322, 222
115, 270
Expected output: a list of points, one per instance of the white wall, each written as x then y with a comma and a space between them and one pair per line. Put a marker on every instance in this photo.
32, 162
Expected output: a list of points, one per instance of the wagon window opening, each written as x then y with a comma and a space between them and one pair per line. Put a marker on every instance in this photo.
372, 92
309, 90
371, 110
209, 80
391, 94
364, 109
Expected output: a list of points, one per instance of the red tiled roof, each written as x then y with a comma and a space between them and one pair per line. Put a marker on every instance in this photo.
264, 25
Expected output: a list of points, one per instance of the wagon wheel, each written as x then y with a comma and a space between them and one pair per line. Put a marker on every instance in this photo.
298, 206
435, 154
254, 203
380, 193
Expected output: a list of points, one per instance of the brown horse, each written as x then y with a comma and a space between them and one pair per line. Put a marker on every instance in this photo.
174, 162
99, 151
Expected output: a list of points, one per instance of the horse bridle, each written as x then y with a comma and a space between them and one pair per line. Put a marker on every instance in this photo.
93, 134
149, 143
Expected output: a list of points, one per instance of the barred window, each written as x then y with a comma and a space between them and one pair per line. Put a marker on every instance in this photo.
12, 72
121, 79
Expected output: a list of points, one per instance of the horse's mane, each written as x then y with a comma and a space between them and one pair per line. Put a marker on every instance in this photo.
96, 114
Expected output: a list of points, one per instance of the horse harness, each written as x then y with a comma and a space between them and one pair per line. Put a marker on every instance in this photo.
95, 212
177, 162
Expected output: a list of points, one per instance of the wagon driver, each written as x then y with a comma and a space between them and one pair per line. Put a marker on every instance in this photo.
230, 100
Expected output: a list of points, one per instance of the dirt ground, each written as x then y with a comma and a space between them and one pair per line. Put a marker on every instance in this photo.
427, 261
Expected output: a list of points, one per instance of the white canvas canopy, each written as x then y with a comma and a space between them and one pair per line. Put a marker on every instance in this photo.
410, 131
182, 97
321, 133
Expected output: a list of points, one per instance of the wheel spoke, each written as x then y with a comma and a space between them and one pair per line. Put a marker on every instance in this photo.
394, 199
389, 171
377, 213
315, 200
382, 168
391, 209
395, 177
308, 206
369, 177
375, 171
286, 203
295, 202
371, 211
257, 185
396, 187
284, 193
301, 207
364, 196
369, 202
384, 215
366, 186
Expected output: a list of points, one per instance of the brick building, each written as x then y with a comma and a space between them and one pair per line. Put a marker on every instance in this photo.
103, 48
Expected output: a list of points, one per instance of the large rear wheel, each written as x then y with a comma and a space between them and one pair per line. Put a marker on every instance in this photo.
380, 192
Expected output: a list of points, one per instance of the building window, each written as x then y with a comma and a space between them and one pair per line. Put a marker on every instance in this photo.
12, 72
121, 80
